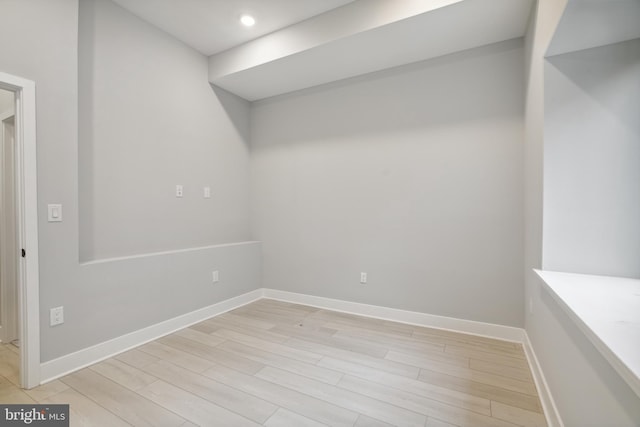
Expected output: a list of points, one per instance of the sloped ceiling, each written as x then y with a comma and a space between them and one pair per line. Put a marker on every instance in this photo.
211, 26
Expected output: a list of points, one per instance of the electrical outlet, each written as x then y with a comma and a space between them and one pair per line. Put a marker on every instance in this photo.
363, 278
57, 316
215, 276
206, 192
179, 191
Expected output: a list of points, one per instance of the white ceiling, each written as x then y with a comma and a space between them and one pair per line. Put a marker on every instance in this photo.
587, 24
212, 26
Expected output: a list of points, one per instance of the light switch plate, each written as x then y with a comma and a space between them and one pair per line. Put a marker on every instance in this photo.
54, 213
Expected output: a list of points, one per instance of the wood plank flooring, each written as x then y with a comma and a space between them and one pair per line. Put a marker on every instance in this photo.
278, 364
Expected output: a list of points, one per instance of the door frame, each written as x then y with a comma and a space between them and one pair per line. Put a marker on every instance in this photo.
27, 226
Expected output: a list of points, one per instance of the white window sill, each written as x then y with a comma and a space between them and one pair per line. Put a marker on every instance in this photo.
607, 310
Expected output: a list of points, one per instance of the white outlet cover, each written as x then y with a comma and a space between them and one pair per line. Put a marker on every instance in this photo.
56, 316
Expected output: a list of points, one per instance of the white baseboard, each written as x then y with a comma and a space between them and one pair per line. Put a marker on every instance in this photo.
546, 399
80, 359
489, 330
64, 365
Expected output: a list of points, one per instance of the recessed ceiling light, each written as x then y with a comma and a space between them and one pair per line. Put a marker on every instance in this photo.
247, 20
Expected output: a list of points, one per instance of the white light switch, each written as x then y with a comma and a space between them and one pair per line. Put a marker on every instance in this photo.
179, 191
207, 192
54, 213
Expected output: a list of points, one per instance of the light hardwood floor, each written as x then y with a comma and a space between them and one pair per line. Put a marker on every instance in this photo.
278, 364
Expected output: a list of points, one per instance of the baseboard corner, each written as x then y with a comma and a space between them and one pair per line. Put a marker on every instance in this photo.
544, 392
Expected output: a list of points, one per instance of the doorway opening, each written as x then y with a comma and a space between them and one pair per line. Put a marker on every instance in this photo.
19, 281
8, 240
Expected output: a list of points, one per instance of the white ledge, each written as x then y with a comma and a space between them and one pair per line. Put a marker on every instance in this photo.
607, 310
163, 253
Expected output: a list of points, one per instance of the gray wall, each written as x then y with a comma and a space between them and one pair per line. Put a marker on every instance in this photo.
592, 161
38, 41
413, 175
148, 120
586, 389
6, 101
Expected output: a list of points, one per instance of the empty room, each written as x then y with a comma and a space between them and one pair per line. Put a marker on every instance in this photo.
320, 213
